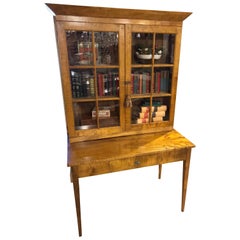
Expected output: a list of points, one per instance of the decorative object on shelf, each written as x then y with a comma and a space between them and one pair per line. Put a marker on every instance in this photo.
104, 112
146, 53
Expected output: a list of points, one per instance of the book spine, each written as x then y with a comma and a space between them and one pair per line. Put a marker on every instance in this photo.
100, 83
157, 119
140, 83
143, 114
142, 120
92, 90
159, 114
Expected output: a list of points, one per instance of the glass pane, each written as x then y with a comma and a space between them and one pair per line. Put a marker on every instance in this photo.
142, 45
107, 48
144, 50
162, 80
160, 109
140, 80
79, 44
164, 46
108, 113
82, 83
139, 111
146, 110
83, 116
108, 82
87, 115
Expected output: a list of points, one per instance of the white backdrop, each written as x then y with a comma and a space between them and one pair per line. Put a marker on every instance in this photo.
36, 199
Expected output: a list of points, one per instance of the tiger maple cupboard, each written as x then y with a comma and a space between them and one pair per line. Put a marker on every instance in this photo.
119, 71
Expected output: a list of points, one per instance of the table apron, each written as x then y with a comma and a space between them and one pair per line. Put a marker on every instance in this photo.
96, 167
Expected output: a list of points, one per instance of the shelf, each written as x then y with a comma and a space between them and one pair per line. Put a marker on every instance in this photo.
78, 100
99, 66
150, 65
162, 94
103, 122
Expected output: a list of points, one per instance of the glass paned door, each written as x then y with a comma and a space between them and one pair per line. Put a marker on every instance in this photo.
151, 76
94, 74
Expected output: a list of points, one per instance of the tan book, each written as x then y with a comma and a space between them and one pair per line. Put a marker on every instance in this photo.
154, 109
162, 108
143, 114
142, 120
157, 119
159, 114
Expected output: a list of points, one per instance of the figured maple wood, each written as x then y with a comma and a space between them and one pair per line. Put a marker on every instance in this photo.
186, 164
128, 146
128, 152
76, 189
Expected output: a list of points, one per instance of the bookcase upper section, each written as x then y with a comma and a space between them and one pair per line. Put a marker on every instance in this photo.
119, 69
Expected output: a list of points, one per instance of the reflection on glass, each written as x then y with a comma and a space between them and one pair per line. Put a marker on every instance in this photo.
165, 43
80, 47
79, 44
107, 51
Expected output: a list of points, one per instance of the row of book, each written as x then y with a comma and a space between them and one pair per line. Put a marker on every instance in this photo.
83, 84
108, 84
157, 114
162, 81
141, 82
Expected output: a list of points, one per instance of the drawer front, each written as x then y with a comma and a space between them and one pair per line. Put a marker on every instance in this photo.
96, 167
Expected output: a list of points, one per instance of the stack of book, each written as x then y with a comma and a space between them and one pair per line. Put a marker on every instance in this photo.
157, 114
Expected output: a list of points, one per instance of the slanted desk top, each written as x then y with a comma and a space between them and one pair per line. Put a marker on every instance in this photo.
128, 152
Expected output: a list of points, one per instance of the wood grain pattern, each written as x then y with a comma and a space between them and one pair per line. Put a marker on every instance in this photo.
76, 189
128, 152
126, 146
102, 12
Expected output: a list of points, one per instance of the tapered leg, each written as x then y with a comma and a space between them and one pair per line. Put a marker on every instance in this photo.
186, 164
75, 182
159, 171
